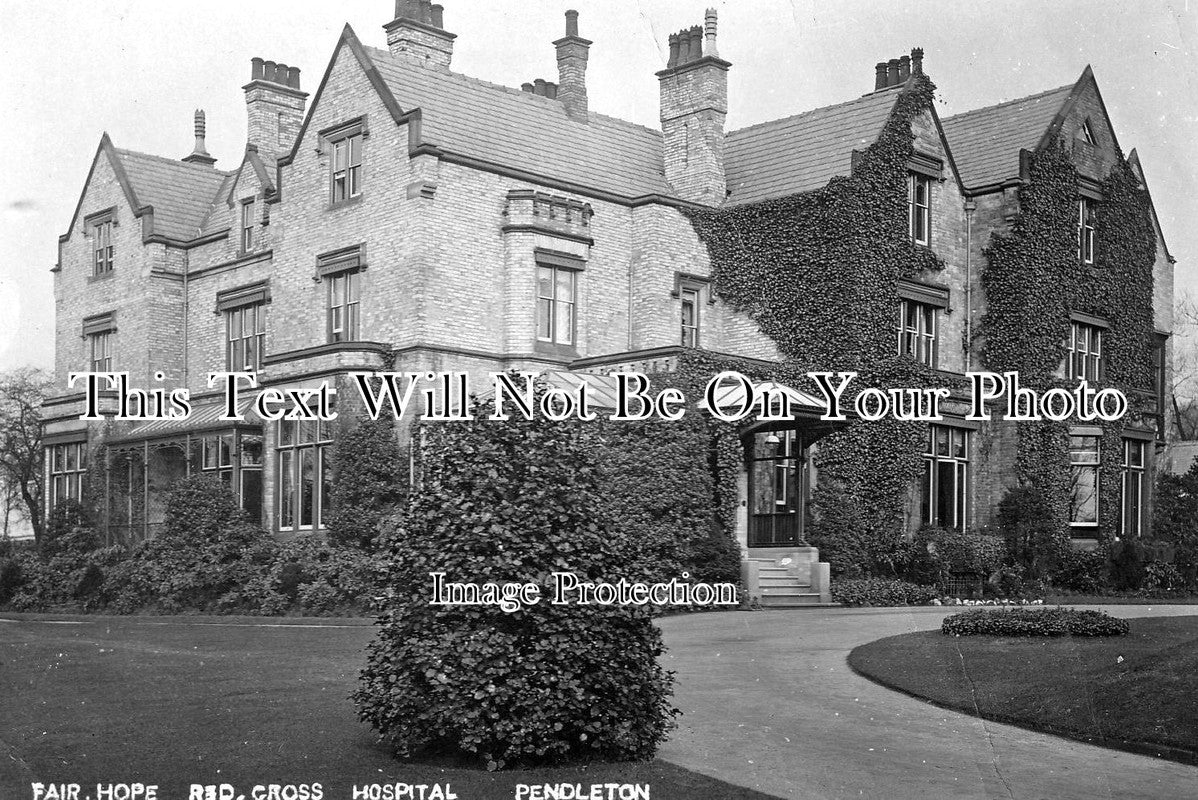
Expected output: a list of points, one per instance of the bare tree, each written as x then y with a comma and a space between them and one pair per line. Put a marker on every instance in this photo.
1183, 391
21, 394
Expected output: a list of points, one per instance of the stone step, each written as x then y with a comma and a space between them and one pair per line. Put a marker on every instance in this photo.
790, 600
782, 580
786, 589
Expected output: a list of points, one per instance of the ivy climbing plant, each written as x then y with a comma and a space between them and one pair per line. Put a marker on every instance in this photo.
1034, 280
818, 272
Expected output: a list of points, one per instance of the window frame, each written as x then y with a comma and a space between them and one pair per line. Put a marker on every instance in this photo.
958, 459
1083, 459
919, 231
691, 295
919, 342
241, 343
1089, 356
1085, 230
291, 454
552, 305
347, 187
248, 223
66, 477
103, 339
346, 310
1132, 474
103, 250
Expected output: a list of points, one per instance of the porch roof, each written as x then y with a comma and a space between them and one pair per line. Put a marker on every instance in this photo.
202, 419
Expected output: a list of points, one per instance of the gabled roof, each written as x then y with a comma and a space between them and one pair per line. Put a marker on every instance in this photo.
179, 193
986, 142
522, 131
803, 152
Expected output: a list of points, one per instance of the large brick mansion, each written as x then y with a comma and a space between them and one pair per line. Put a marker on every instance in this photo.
404, 216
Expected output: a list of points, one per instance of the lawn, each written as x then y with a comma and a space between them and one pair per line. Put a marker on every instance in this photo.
1136, 692
175, 701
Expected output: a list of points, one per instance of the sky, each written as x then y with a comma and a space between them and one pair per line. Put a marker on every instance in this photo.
138, 69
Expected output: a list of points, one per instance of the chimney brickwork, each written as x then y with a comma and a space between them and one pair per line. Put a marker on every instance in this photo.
694, 105
572, 54
417, 33
275, 108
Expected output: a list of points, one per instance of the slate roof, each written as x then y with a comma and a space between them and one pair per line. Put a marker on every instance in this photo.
181, 193
986, 142
803, 152
523, 131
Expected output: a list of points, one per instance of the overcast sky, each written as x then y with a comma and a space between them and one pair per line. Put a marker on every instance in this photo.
139, 68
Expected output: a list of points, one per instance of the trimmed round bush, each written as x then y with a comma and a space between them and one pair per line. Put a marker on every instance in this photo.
1034, 622
499, 502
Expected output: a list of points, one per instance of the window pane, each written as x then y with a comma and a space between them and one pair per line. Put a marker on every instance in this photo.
565, 285
326, 482
1084, 495
355, 155
564, 324
286, 489
306, 486
544, 319
286, 433
946, 489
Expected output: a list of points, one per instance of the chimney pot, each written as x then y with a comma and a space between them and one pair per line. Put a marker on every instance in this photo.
293, 78
255, 69
571, 23
892, 72
904, 68
268, 71
880, 75
526, 87
709, 26
426, 11
917, 60
551, 90
674, 52
438, 15
539, 87
696, 43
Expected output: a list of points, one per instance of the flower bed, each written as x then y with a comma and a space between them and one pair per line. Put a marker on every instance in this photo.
1029, 622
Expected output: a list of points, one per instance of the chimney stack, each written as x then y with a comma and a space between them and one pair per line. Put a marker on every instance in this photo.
694, 104
275, 107
199, 155
897, 71
418, 33
572, 54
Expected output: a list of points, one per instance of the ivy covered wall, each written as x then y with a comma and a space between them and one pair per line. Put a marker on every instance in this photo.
819, 272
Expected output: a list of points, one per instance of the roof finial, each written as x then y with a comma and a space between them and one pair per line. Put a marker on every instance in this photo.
200, 154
